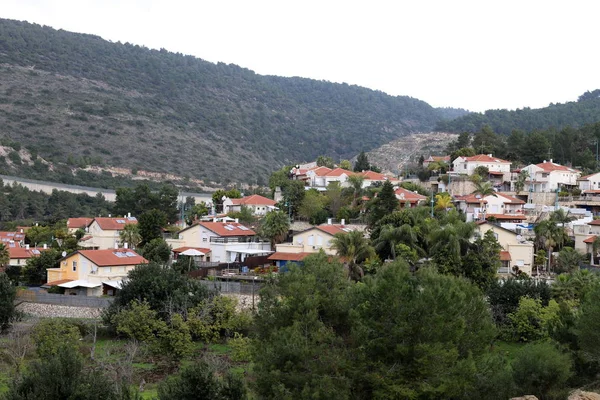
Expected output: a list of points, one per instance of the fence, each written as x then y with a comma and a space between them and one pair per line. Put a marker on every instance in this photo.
63, 299
234, 287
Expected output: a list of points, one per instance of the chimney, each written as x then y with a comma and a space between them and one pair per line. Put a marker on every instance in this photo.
26, 247
214, 220
237, 220
489, 155
21, 230
116, 246
544, 162
45, 246
328, 221
550, 161
109, 215
343, 221
125, 245
129, 215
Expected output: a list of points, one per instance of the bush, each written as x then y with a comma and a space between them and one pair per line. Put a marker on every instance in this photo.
50, 335
8, 312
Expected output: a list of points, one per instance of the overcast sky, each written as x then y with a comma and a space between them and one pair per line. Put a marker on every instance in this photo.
476, 55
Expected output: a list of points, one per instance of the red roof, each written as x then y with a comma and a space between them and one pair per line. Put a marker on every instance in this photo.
506, 216
511, 199
591, 191
471, 198
227, 228
78, 223
113, 257
339, 172
486, 158
550, 166
281, 256
594, 222
6, 236
505, 256
113, 224
320, 171
182, 249
406, 195
496, 173
24, 253
332, 229
373, 176
253, 200
590, 239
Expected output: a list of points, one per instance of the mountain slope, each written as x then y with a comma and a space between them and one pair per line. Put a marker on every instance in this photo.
79, 99
586, 110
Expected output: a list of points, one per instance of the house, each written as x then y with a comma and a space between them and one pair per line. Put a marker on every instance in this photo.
411, 198
589, 184
314, 177
432, 159
308, 242
516, 251
75, 224
502, 207
12, 239
472, 205
549, 177
496, 166
19, 255
227, 241
103, 232
93, 272
371, 177
585, 234
204, 250
258, 204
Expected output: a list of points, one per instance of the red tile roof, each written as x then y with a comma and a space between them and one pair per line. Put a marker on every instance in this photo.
471, 198
511, 199
109, 258
590, 239
253, 200
78, 223
10, 235
228, 228
24, 253
373, 176
506, 216
333, 228
496, 173
339, 172
182, 249
594, 222
505, 256
591, 191
113, 224
550, 166
281, 256
486, 158
320, 171
406, 195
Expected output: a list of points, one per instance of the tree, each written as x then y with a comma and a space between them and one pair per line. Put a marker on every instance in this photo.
354, 248
588, 325
275, 227
4, 255
324, 161
483, 172
549, 235
390, 236
157, 250
595, 249
245, 215
362, 163
542, 370
561, 217
202, 381
521, 179
195, 212
532, 321
51, 335
8, 312
482, 261
356, 183
293, 192
345, 164
443, 202
449, 244
334, 197
35, 272
313, 206
385, 203
130, 235
403, 353
299, 350
151, 224
483, 189
568, 260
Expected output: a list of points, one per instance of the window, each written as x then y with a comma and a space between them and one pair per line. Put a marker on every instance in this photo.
107, 270
311, 240
319, 240
204, 240
74, 266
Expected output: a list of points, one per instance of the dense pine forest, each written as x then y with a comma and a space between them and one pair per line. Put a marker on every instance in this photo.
78, 99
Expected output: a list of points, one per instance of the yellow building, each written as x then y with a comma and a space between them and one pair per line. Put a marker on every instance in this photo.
517, 251
104, 233
93, 272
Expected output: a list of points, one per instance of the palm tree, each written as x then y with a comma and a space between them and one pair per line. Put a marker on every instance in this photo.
550, 236
4, 255
484, 189
454, 238
354, 249
568, 260
131, 235
561, 217
275, 227
443, 201
356, 182
391, 235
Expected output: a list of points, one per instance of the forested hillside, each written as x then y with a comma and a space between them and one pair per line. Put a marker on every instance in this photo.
78, 99
586, 110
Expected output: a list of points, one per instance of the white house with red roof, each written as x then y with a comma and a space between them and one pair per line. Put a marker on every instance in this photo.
590, 184
258, 204
467, 165
74, 224
501, 207
406, 196
372, 177
227, 241
549, 176
19, 255
309, 242
103, 232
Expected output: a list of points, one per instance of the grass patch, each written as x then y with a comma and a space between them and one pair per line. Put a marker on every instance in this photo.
219, 348
509, 349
